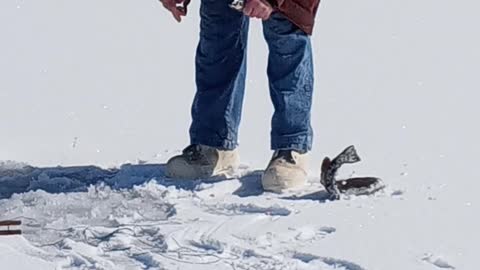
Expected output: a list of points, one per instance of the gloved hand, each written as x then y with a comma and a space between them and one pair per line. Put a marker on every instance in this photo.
260, 9
173, 7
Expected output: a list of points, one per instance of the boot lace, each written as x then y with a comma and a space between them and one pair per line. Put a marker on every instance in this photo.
285, 155
193, 152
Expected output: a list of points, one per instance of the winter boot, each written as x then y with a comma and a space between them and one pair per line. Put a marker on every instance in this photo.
201, 161
286, 170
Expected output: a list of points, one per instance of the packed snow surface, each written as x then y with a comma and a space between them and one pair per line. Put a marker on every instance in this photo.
95, 97
136, 218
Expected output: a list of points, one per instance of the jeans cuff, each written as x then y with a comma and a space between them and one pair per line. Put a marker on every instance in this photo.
214, 142
302, 143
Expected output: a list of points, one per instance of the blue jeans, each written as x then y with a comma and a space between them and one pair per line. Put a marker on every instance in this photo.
220, 78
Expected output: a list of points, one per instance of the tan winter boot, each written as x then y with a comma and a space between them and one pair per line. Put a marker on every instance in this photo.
201, 161
287, 170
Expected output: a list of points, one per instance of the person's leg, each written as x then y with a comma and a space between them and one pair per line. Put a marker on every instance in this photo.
290, 73
220, 75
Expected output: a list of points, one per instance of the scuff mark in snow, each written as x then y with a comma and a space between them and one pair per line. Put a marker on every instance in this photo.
437, 261
245, 209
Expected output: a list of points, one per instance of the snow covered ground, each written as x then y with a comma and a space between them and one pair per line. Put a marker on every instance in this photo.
95, 96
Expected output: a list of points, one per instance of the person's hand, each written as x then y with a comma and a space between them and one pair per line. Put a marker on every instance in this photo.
260, 9
172, 6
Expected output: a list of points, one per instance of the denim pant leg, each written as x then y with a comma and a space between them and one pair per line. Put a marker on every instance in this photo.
290, 73
220, 75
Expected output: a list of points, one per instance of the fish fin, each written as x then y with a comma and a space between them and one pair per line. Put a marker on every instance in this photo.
349, 155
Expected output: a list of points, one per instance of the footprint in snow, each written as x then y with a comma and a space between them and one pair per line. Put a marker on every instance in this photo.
245, 209
437, 261
208, 244
309, 233
332, 262
147, 260
262, 259
327, 230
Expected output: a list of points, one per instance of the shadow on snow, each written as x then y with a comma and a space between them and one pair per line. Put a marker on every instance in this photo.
20, 179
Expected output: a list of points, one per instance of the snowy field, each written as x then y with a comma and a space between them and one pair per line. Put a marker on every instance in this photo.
95, 97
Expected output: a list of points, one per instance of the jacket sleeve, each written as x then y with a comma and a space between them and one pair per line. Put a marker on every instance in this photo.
300, 12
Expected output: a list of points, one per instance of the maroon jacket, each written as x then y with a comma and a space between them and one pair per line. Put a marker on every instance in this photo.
301, 12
